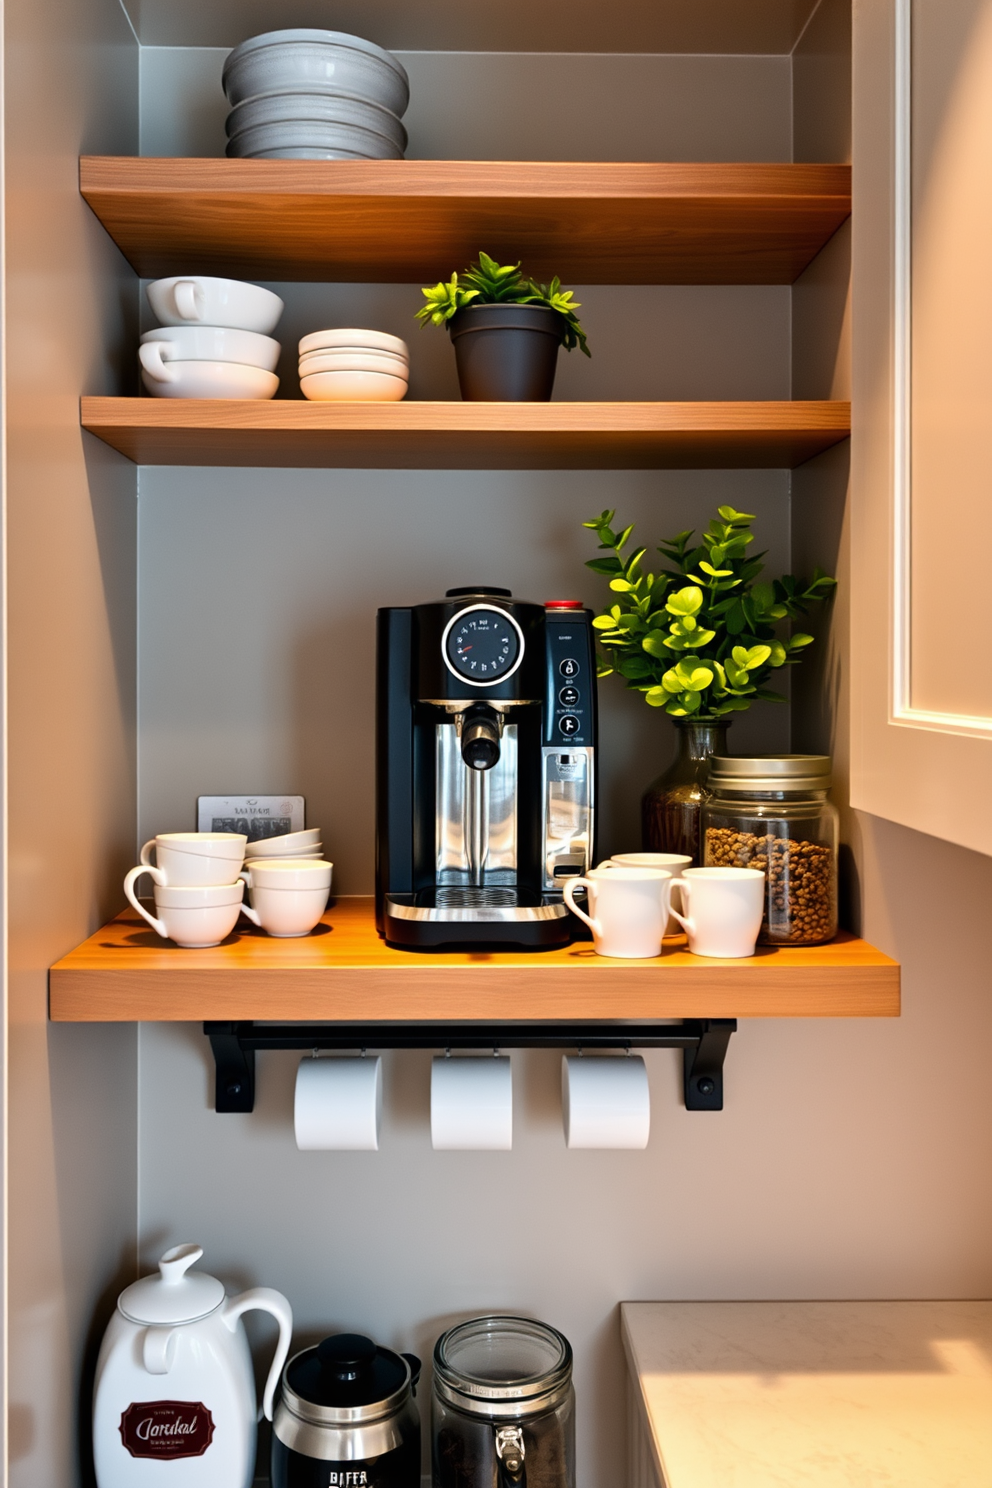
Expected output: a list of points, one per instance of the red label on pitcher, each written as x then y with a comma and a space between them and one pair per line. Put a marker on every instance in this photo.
166, 1429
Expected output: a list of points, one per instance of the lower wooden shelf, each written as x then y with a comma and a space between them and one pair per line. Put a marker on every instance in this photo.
289, 432
345, 972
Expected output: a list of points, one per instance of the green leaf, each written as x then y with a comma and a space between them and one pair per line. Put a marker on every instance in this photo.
798, 640
685, 602
654, 644
621, 586
605, 566
604, 622
716, 573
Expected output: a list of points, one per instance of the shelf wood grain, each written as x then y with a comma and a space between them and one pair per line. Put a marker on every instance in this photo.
466, 436
125, 973
404, 221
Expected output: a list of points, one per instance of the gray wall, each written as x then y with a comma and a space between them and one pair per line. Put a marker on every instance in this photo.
70, 305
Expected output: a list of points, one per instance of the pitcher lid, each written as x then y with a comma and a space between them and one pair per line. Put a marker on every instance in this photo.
176, 1294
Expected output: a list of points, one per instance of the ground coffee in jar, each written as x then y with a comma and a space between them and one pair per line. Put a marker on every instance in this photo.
773, 813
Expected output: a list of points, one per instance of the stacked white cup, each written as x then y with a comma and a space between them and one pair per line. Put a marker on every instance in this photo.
288, 882
197, 889
354, 365
212, 340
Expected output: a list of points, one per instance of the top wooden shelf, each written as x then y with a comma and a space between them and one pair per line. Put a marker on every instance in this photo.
402, 221
345, 972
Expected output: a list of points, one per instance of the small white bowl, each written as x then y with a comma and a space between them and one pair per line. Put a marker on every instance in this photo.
199, 343
372, 358
336, 141
353, 387
287, 873
273, 846
284, 105
354, 361
351, 337
211, 380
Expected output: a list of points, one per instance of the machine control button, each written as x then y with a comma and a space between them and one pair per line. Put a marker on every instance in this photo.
569, 667
568, 697
568, 724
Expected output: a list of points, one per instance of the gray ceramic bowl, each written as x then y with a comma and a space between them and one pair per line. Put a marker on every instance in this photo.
313, 60
315, 108
338, 141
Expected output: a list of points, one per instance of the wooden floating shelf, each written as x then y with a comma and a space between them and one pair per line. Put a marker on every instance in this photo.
404, 221
466, 436
345, 972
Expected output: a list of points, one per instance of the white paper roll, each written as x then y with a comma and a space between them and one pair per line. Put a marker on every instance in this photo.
471, 1104
338, 1105
605, 1102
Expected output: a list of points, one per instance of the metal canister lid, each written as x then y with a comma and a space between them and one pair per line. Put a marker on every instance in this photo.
504, 1368
347, 1380
772, 772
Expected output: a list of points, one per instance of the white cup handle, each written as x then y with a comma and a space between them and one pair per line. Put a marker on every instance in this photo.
159, 877
145, 856
246, 909
151, 357
571, 884
686, 921
188, 297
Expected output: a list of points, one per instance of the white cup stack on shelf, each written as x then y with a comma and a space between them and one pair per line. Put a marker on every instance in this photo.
288, 882
212, 340
349, 365
197, 889
315, 95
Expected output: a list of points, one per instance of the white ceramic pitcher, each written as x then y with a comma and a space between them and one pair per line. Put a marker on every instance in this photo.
174, 1404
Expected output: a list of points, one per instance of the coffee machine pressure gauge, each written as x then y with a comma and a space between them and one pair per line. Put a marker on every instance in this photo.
482, 645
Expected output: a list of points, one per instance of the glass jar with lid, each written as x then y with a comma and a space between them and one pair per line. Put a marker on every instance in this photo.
773, 813
503, 1407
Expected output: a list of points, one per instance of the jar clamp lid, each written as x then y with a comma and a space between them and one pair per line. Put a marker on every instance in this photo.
503, 1368
787, 773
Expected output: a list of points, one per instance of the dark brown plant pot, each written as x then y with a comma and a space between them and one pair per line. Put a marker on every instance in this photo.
506, 353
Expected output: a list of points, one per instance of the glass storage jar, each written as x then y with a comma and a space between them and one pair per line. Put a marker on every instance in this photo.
773, 813
503, 1408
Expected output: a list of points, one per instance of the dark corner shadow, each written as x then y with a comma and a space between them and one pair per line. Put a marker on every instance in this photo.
124, 1274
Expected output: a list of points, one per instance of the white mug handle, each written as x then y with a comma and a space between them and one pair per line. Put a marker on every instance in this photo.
246, 909
265, 1299
686, 921
145, 856
188, 297
571, 884
156, 873
152, 358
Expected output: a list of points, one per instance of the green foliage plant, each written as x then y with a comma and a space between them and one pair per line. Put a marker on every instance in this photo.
488, 283
701, 637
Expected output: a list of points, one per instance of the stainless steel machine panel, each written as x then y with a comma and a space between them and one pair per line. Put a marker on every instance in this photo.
476, 821
567, 791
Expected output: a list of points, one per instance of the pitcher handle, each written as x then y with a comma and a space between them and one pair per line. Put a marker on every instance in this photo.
571, 884
265, 1299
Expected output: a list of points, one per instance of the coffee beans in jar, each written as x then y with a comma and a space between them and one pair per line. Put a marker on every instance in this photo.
772, 813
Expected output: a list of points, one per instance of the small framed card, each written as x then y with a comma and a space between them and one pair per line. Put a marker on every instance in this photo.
255, 816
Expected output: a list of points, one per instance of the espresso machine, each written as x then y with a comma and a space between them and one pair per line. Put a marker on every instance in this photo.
485, 769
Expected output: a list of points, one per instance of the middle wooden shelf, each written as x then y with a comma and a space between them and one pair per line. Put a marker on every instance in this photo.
467, 436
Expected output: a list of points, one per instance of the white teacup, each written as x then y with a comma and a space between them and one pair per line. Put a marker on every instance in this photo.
192, 917
288, 895
200, 343
723, 910
200, 299
286, 844
629, 909
671, 862
194, 859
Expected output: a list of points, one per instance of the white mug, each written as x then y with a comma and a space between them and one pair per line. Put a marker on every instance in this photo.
671, 862
199, 298
194, 859
723, 910
288, 895
629, 909
191, 916
200, 343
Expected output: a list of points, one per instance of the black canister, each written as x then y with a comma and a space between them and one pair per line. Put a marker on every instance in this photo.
346, 1418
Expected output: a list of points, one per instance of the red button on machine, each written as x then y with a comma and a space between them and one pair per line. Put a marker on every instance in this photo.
564, 604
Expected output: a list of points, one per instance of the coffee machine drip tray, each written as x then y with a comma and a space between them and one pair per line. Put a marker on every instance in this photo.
462, 913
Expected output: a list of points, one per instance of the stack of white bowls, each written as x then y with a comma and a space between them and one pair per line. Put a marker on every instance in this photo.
212, 340
301, 845
315, 95
353, 365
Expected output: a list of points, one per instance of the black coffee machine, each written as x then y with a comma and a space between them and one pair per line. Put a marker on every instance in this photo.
485, 769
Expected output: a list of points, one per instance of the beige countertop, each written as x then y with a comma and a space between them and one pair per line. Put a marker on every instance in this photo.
813, 1394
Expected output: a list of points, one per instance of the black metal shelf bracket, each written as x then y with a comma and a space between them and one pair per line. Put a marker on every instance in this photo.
703, 1042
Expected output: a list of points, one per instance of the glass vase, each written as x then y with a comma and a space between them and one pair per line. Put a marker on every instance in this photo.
671, 805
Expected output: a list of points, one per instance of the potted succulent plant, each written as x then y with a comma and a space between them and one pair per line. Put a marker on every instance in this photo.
700, 639
506, 330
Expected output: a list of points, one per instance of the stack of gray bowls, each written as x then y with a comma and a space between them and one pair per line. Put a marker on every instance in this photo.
315, 95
